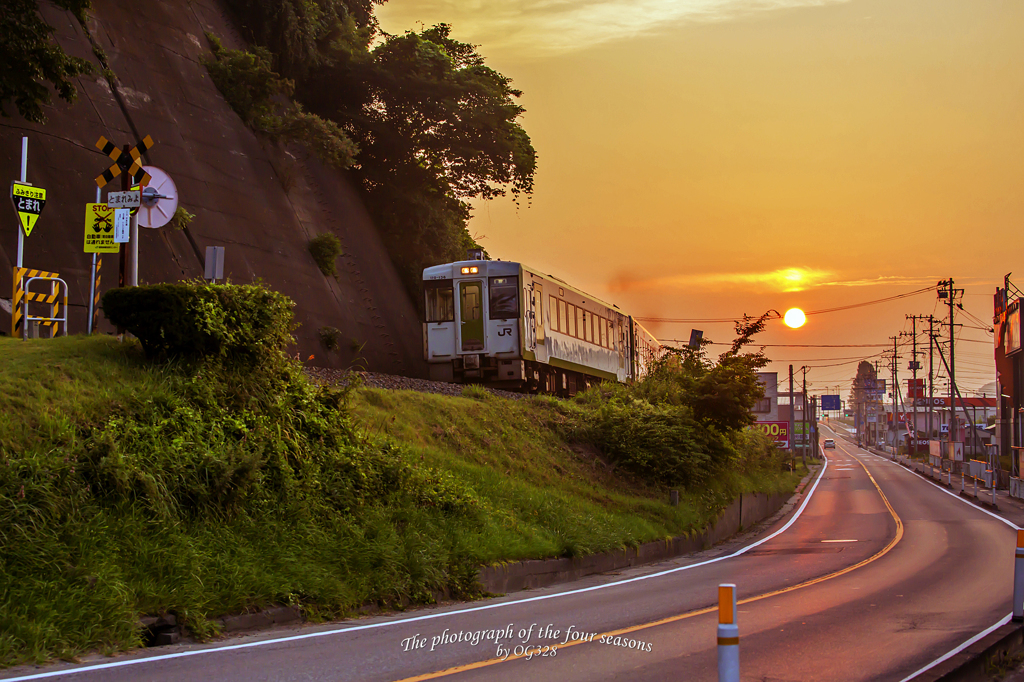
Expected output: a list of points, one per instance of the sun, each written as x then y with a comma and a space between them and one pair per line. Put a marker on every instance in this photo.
795, 318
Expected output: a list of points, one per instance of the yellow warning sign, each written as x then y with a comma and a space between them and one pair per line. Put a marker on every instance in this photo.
99, 229
28, 202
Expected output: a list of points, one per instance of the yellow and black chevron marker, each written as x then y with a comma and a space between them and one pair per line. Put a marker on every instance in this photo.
19, 296
96, 294
130, 163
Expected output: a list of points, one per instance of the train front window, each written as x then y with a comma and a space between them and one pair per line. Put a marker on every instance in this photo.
504, 298
440, 300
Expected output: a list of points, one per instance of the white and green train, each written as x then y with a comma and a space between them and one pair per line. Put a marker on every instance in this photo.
509, 326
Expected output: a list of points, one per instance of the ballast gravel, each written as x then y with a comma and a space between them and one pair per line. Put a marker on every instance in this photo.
326, 375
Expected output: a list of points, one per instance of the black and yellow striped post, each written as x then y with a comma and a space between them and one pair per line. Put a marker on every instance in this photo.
1018, 580
94, 301
728, 635
19, 300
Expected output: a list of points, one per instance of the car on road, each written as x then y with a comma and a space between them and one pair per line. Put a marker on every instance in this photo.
829, 443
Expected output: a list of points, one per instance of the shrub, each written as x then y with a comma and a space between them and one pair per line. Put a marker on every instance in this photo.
325, 248
181, 219
329, 338
257, 93
238, 323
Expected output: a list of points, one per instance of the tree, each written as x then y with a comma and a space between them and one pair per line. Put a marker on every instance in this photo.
435, 126
30, 59
720, 394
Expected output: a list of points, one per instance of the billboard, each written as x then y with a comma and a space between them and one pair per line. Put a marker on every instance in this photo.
915, 388
1013, 328
777, 430
830, 402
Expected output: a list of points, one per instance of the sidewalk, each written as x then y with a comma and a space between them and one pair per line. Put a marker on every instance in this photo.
1010, 508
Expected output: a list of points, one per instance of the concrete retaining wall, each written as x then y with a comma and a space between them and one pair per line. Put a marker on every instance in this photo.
745, 511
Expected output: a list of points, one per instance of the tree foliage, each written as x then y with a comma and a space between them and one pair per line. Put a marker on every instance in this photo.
262, 98
688, 418
436, 126
30, 60
302, 33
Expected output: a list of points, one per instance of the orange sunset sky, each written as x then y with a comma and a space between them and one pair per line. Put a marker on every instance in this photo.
708, 158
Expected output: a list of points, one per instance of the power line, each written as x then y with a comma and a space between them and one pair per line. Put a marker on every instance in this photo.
722, 320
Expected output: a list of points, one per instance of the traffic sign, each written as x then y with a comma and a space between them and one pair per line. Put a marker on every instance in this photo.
830, 402
99, 229
129, 199
122, 223
130, 163
28, 202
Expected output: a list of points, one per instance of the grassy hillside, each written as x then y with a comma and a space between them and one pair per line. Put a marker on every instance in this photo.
129, 488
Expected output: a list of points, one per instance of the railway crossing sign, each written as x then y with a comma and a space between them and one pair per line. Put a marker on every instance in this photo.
99, 229
28, 202
130, 162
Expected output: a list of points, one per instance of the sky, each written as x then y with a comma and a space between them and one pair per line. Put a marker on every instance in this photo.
705, 159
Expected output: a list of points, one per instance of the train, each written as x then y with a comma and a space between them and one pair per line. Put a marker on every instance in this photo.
506, 325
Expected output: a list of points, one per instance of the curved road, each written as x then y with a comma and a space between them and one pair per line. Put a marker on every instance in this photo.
877, 574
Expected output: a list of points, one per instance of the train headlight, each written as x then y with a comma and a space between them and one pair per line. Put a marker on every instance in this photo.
472, 270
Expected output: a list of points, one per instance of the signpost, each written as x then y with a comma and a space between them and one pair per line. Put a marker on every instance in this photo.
129, 199
127, 164
28, 202
99, 229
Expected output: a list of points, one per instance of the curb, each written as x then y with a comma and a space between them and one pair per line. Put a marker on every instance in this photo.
972, 664
744, 512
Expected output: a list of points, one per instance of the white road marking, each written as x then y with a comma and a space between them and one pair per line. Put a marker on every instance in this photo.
429, 616
840, 540
1003, 621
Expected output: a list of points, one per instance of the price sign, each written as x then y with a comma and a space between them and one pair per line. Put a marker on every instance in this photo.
28, 202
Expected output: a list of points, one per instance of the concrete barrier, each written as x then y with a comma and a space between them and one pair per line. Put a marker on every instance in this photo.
745, 511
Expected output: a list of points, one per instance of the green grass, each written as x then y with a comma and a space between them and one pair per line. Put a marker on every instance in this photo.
128, 488
552, 494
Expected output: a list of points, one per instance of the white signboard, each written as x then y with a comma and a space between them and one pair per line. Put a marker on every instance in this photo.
122, 221
129, 199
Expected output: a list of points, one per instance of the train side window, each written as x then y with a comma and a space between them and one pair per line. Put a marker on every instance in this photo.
572, 319
440, 300
504, 298
603, 324
553, 312
581, 321
563, 321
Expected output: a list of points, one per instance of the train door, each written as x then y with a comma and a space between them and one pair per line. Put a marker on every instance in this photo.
471, 316
537, 312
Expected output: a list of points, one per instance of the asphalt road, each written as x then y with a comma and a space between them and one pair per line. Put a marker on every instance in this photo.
877, 575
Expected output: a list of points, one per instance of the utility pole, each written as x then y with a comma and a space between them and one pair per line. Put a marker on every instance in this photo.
915, 365
803, 414
931, 374
950, 295
792, 425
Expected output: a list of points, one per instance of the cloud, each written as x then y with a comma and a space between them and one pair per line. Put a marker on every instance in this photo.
541, 27
783, 279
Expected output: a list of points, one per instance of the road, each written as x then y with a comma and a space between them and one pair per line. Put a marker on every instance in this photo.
878, 574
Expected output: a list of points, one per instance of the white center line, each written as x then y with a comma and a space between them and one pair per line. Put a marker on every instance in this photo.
840, 541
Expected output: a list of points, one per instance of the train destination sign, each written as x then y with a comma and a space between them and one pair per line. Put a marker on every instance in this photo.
28, 203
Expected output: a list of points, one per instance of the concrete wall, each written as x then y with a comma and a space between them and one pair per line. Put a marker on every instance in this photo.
263, 202
744, 511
